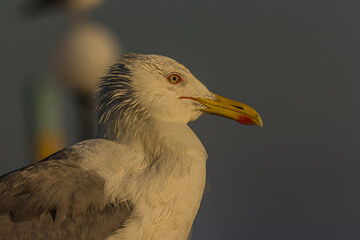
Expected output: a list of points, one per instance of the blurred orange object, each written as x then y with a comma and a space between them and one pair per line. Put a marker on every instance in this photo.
48, 142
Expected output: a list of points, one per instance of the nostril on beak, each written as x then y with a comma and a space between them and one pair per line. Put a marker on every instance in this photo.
238, 107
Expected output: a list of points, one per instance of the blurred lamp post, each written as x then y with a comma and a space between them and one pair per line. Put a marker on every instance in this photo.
81, 56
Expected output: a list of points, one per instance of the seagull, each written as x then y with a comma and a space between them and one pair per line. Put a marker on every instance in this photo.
142, 178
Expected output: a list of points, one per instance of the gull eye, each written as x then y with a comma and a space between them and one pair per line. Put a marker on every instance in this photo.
174, 78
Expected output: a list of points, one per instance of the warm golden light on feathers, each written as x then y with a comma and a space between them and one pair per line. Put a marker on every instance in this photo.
131, 182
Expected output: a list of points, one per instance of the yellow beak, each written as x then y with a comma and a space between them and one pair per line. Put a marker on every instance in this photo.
237, 111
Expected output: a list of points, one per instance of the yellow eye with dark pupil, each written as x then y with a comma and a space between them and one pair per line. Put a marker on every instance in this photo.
174, 78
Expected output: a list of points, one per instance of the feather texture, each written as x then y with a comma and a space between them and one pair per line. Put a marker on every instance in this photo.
50, 200
142, 179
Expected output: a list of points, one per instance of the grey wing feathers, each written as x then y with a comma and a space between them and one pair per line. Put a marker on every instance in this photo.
57, 199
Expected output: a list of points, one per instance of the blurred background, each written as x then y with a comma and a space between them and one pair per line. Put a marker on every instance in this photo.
295, 62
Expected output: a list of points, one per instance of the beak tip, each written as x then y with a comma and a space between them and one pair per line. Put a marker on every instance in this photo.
257, 121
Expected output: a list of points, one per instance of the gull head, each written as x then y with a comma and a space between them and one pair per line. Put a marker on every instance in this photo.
152, 87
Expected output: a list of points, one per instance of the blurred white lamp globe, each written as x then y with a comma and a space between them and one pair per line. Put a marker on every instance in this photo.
84, 55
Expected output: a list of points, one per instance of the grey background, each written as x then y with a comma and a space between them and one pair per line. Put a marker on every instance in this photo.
295, 62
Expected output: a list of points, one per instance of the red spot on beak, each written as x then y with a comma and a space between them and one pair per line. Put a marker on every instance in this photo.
245, 120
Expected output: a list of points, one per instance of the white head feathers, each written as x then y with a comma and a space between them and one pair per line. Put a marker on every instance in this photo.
137, 91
